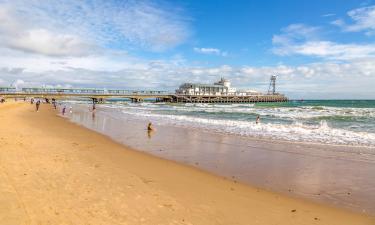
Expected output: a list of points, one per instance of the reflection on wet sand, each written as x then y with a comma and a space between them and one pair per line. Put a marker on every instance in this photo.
150, 133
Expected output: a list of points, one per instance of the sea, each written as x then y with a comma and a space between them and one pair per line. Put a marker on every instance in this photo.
336, 122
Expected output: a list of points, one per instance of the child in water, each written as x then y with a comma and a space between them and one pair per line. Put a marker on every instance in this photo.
257, 121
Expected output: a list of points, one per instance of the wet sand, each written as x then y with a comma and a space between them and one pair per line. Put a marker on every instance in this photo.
56, 172
340, 176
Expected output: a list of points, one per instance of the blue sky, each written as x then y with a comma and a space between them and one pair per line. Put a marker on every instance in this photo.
319, 49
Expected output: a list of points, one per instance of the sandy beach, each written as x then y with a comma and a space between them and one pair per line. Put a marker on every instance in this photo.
56, 172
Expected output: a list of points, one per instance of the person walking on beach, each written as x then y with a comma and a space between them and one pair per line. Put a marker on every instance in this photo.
37, 104
257, 121
54, 103
63, 110
32, 101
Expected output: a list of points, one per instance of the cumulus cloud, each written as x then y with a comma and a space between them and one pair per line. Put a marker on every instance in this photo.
210, 51
363, 19
42, 41
17, 34
313, 80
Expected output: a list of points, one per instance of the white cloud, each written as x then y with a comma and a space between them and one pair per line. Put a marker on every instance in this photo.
299, 39
294, 33
18, 83
328, 15
73, 27
328, 50
210, 51
338, 22
363, 20
350, 79
44, 42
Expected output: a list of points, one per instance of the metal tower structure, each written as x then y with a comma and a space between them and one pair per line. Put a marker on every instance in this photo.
272, 86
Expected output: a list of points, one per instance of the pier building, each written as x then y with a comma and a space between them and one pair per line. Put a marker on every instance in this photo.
221, 88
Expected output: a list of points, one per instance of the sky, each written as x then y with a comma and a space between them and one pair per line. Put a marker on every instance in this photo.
321, 49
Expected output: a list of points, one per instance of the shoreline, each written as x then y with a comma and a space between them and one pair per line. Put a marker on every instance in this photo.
58, 172
265, 139
309, 128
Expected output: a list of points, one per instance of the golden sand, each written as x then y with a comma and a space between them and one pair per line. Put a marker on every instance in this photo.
56, 172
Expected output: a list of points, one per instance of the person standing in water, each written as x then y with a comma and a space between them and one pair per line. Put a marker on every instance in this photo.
93, 110
257, 121
149, 127
37, 104
150, 130
63, 110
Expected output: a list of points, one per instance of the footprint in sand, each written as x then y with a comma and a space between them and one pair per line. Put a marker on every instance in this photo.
146, 181
169, 206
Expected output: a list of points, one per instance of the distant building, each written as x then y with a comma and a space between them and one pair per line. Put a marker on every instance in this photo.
222, 87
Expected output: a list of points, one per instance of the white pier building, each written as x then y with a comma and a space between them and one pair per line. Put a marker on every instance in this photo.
220, 88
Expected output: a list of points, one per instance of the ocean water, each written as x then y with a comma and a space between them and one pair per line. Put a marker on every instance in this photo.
339, 122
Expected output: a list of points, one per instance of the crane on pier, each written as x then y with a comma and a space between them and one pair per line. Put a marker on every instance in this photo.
272, 86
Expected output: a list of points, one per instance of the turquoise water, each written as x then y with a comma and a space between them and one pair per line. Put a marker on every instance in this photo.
347, 122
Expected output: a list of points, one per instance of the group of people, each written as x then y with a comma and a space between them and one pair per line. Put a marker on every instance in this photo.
38, 101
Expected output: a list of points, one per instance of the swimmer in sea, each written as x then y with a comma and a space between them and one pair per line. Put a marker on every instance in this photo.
257, 121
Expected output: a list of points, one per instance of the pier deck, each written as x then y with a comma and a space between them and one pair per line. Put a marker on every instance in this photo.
228, 98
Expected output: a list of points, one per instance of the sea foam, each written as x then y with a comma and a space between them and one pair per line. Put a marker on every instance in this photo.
328, 125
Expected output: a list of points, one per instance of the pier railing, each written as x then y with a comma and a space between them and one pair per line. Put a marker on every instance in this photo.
78, 91
89, 91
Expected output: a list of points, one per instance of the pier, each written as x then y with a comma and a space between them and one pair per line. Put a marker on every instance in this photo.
100, 95
96, 95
